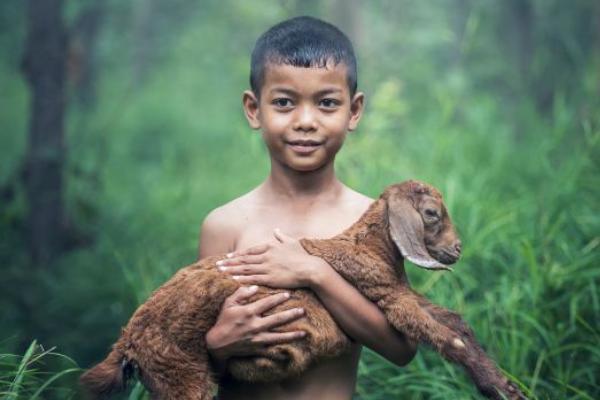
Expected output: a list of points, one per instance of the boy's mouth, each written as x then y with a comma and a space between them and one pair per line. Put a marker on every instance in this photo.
304, 146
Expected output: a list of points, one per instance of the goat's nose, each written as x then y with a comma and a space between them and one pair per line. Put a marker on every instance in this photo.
458, 246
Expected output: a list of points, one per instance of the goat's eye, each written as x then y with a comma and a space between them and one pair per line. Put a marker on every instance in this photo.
432, 214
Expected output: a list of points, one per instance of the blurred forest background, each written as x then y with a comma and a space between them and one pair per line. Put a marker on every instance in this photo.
121, 128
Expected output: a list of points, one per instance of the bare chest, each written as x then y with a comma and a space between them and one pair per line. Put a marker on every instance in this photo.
258, 225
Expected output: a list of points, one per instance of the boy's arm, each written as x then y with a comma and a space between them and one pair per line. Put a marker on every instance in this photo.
215, 236
287, 265
358, 316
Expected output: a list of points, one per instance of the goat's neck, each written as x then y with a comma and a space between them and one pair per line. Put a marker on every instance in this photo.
367, 238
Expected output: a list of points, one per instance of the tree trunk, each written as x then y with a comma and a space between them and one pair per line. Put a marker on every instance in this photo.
81, 64
517, 33
44, 69
145, 39
522, 15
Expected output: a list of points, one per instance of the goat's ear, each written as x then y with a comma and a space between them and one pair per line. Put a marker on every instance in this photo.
408, 232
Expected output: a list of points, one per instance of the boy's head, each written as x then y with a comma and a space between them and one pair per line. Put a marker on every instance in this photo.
303, 97
302, 42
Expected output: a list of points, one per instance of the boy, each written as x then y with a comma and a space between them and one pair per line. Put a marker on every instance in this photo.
304, 100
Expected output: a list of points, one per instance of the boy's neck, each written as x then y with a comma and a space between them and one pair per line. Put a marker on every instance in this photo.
288, 184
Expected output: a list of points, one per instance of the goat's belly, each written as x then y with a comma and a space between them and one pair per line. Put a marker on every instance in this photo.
323, 339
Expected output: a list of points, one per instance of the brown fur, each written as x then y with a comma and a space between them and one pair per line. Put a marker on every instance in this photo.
164, 340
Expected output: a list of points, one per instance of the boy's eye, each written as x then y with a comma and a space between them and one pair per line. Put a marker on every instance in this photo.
329, 103
282, 102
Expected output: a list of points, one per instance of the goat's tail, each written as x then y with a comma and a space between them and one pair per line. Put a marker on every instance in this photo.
109, 377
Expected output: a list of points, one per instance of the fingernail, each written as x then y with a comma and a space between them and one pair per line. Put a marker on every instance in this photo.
229, 255
286, 295
300, 310
252, 288
236, 277
222, 269
219, 263
302, 334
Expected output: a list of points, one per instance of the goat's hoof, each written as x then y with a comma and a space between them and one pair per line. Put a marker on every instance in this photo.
512, 391
459, 344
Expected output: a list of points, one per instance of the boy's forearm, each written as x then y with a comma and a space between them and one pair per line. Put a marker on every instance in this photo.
360, 318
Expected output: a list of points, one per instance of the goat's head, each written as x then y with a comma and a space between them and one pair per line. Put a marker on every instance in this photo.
420, 226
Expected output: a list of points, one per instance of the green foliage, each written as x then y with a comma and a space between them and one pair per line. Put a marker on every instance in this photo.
446, 103
25, 376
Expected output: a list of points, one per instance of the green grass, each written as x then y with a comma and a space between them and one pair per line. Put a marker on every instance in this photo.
26, 376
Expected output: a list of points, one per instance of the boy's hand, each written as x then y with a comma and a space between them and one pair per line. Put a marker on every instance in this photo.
282, 264
241, 329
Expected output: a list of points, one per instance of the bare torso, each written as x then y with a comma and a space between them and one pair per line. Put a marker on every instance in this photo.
255, 219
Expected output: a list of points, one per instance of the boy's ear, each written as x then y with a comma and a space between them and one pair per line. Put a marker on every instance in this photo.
251, 109
356, 109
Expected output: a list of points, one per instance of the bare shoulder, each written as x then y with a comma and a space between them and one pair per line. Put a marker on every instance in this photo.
222, 226
355, 201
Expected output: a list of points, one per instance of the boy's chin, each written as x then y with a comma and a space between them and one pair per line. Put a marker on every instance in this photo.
306, 167
307, 163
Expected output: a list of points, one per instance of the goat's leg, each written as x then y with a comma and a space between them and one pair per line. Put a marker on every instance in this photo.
170, 373
482, 370
191, 383
447, 333
406, 315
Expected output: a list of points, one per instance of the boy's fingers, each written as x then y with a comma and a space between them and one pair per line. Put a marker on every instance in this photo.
266, 303
244, 270
241, 294
252, 279
244, 259
280, 318
267, 338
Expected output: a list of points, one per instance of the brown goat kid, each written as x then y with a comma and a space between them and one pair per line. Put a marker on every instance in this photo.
164, 340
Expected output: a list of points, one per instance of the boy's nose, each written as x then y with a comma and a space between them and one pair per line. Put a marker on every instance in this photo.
305, 120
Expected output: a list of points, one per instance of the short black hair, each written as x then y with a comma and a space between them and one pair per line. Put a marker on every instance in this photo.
302, 42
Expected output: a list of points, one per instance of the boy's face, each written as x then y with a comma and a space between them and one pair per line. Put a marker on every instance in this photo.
304, 114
